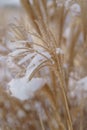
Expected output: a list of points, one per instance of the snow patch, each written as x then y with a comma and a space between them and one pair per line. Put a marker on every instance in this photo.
26, 58
80, 89
82, 84
36, 61
23, 89
75, 9
59, 51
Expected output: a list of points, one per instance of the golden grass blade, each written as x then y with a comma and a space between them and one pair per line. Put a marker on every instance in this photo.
37, 69
41, 122
32, 17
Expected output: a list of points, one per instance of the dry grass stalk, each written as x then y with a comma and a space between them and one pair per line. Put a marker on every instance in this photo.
83, 5
52, 45
31, 14
42, 22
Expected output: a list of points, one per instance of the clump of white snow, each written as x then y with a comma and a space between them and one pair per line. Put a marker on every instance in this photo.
40, 111
23, 89
82, 84
67, 4
36, 61
80, 89
2, 58
76, 8
21, 114
59, 51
